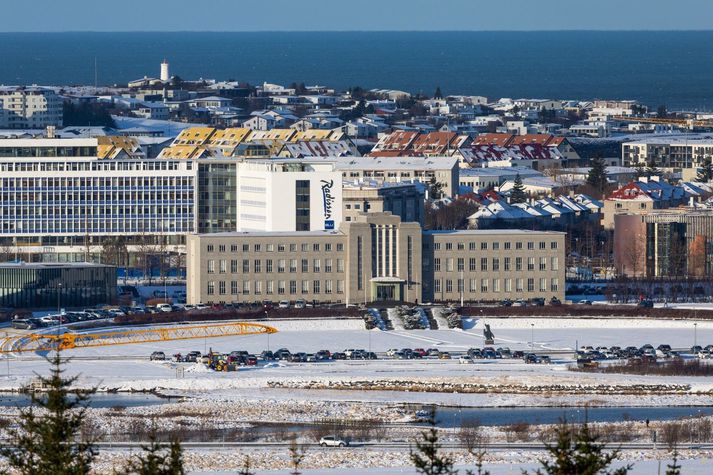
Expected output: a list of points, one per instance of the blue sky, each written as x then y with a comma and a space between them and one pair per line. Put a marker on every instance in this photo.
311, 15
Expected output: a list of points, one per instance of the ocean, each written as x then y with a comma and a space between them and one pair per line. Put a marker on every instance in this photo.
670, 68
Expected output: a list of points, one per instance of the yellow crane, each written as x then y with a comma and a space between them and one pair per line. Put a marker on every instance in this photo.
64, 341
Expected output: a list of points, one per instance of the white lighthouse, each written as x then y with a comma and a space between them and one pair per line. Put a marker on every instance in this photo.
165, 76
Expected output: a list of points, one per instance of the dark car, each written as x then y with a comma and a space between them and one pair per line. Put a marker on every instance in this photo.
267, 355
555, 301
646, 303
339, 356
538, 302
506, 303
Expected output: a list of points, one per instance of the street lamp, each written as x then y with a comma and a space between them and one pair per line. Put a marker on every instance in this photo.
532, 337
695, 333
59, 306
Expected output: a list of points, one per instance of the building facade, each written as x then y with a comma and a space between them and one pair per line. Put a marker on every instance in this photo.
404, 200
684, 154
29, 108
376, 257
25, 285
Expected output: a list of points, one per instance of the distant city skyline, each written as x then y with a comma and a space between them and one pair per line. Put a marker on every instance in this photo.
370, 15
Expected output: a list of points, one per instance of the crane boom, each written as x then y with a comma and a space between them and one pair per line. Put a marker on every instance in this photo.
48, 341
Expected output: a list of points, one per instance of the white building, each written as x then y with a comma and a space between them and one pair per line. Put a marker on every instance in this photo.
288, 195
29, 108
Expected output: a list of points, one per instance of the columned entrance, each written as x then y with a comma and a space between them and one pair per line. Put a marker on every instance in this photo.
387, 288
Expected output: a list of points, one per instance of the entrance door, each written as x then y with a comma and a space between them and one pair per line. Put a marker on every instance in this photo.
385, 292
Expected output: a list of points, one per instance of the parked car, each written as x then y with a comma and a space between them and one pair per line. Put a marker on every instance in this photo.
330, 441
444, 355
465, 360
300, 304
284, 304
164, 307
157, 356
646, 303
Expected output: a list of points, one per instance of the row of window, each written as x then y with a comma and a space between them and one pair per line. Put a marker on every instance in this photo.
304, 247
495, 246
493, 264
269, 266
271, 287
496, 285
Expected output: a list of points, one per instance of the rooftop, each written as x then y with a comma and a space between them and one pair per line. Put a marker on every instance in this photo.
50, 265
493, 232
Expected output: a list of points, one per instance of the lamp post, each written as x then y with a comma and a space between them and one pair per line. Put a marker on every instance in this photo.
695, 333
532, 337
59, 307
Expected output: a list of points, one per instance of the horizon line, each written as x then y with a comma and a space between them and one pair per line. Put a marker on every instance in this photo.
560, 30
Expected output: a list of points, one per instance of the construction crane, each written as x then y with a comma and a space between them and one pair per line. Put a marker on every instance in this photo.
65, 341
663, 121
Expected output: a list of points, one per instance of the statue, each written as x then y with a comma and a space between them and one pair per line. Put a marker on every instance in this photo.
489, 335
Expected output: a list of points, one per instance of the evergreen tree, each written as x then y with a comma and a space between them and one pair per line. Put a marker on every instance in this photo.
426, 457
518, 194
155, 459
674, 468
438, 94
245, 470
578, 452
48, 441
435, 189
597, 177
639, 170
705, 172
653, 170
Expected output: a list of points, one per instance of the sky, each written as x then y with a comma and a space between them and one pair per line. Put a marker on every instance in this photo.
341, 15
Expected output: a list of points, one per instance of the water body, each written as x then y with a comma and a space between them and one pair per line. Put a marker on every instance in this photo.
453, 416
672, 68
100, 400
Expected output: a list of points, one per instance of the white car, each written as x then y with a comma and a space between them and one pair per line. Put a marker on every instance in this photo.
164, 307
465, 360
202, 306
330, 441
348, 352
392, 352
300, 304
284, 304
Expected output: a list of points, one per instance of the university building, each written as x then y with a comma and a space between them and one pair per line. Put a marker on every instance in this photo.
375, 257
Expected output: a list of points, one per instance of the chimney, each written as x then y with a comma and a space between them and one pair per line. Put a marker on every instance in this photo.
51, 132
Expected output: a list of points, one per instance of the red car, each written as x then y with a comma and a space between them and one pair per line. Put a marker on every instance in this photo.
420, 351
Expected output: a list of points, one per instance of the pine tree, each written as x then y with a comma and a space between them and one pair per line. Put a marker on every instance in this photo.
705, 172
674, 468
578, 452
597, 177
48, 441
426, 457
435, 189
518, 194
245, 470
155, 459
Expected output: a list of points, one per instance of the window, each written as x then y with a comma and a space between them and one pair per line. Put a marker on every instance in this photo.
472, 285
519, 285
543, 245
328, 265
221, 287
530, 246
211, 266
209, 248
507, 264
508, 285
293, 247
315, 287
483, 263
281, 266
496, 285
471, 264
461, 246
258, 287
553, 245
270, 248
449, 264
483, 246
518, 245
449, 286
233, 266
496, 246
280, 248
327, 286
471, 246
340, 265
328, 247
281, 287
221, 248
554, 263
234, 248
211, 287
270, 287
246, 287
340, 286
518, 263
460, 286
461, 264
257, 247
530, 284
305, 286
554, 285
305, 247
257, 266
233, 287
543, 285
436, 246
437, 264
449, 246
222, 266
340, 247
483, 285
246, 266
530, 263
496, 264
543, 263
315, 247
316, 265
437, 285
305, 265
293, 287
293, 265
268, 266
507, 246
246, 247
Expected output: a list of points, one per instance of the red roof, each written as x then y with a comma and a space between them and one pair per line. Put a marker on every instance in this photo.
501, 140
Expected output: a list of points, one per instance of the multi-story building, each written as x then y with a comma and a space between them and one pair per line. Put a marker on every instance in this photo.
404, 200
375, 257
29, 108
683, 153
288, 195
640, 196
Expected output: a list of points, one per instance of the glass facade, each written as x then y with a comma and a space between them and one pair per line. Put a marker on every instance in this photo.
217, 205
